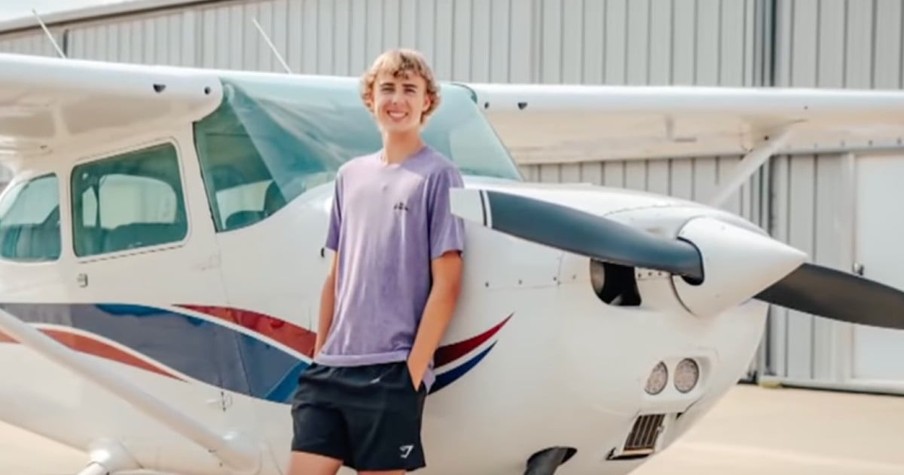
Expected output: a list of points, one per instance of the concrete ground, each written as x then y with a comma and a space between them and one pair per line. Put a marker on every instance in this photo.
752, 431
787, 431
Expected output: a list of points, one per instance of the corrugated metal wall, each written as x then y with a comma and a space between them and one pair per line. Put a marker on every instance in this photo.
35, 43
639, 42
847, 44
704, 42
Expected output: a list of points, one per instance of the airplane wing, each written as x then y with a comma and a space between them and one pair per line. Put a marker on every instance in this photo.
568, 123
48, 102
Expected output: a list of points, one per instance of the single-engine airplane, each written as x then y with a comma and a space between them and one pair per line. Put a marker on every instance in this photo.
161, 254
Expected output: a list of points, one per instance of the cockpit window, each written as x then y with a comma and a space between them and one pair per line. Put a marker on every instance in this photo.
30, 220
274, 137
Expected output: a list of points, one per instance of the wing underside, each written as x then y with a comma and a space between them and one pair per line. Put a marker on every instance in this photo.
49, 103
548, 123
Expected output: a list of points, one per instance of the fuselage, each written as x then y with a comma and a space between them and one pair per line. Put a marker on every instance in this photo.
188, 258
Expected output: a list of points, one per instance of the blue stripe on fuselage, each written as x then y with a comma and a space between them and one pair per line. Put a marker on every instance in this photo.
200, 349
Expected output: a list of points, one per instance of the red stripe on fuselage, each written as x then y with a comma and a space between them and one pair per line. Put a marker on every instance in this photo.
293, 336
91, 346
303, 340
447, 354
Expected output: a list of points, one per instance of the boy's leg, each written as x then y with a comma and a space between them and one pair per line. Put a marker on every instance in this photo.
319, 444
320, 434
304, 463
385, 421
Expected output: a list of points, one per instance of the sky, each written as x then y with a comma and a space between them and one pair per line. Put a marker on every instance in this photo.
10, 9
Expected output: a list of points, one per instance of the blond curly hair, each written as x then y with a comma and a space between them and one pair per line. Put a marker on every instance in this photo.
399, 62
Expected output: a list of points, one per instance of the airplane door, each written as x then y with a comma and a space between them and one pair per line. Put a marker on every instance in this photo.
877, 353
146, 262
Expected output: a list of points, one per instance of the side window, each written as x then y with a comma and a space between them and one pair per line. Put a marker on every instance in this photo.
30, 221
129, 201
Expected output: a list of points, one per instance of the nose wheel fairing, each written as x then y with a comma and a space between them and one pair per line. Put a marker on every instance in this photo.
547, 461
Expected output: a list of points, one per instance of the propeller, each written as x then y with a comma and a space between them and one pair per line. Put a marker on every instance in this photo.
809, 288
838, 295
589, 235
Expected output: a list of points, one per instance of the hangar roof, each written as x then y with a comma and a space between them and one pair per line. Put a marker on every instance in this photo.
107, 9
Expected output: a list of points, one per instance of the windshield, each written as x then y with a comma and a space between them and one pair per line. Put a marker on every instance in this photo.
276, 136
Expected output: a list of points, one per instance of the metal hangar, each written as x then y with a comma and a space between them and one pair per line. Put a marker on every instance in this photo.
825, 198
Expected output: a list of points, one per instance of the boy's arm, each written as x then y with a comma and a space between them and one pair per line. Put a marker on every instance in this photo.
328, 291
447, 237
438, 313
327, 302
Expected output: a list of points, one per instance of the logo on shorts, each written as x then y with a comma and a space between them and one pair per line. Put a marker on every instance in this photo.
406, 450
400, 206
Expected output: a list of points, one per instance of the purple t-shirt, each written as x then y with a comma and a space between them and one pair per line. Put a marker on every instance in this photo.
388, 222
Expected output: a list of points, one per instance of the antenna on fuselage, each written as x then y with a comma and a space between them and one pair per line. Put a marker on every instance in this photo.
272, 46
49, 36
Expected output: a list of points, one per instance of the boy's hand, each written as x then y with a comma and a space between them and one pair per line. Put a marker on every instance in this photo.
415, 379
441, 303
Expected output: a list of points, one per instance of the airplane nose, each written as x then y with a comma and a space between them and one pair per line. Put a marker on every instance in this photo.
714, 264
737, 264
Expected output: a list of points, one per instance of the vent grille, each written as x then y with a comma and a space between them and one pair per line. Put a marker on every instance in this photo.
642, 438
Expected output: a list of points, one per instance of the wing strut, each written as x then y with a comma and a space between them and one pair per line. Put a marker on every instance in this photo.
235, 452
751, 162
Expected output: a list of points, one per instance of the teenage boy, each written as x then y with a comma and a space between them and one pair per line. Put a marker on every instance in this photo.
391, 291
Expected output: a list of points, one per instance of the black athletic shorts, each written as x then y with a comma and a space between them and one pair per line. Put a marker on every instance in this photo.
367, 416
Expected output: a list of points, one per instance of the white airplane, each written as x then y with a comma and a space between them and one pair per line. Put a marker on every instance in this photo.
161, 258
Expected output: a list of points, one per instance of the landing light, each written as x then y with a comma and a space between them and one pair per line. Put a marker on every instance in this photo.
686, 375
657, 380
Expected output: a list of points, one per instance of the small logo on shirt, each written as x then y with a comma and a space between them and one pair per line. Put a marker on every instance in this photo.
400, 206
406, 450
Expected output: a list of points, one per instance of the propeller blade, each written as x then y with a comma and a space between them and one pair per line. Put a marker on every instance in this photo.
580, 232
838, 295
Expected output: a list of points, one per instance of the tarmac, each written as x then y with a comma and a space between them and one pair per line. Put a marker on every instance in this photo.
758, 431
753, 431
